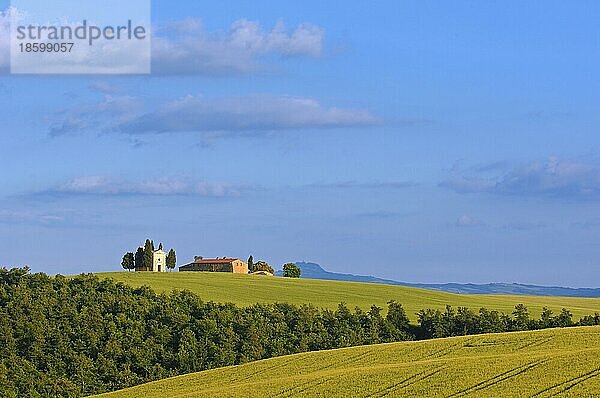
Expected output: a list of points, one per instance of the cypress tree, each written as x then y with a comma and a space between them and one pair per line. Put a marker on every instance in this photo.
171, 259
148, 254
139, 260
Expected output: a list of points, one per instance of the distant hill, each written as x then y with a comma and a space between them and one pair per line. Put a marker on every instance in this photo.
315, 271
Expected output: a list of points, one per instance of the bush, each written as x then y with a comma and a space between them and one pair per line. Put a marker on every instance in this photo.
262, 266
291, 270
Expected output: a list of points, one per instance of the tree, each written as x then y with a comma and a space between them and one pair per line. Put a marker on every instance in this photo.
187, 356
160, 246
375, 325
291, 270
139, 259
564, 319
521, 317
128, 261
397, 318
148, 254
546, 320
262, 266
171, 259
250, 263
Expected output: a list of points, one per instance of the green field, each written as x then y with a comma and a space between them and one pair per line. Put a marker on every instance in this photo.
563, 362
247, 289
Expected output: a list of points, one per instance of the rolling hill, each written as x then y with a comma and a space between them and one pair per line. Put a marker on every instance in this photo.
247, 290
546, 363
315, 271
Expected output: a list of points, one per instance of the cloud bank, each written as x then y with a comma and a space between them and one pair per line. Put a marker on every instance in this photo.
553, 178
243, 114
104, 186
366, 185
246, 113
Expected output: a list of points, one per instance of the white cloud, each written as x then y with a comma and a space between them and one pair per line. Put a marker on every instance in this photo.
249, 113
525, 226
306, 39
104, 88
183, 47
253, 114
100, 185
467, 221
187, 25
553, 178
97, 116
20, 217
462, 184
366, 185
104, 57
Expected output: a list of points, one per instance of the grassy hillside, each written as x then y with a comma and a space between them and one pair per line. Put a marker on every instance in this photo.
247, 289
563, 362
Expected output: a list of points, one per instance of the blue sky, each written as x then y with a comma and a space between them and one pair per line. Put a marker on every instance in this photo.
419, 141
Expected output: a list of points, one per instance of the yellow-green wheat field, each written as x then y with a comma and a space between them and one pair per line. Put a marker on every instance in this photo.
547, 363
250, 289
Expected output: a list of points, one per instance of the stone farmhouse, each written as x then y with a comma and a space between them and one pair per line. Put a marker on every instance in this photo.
224, 264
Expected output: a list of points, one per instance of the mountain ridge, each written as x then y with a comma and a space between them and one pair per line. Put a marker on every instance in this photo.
315, 271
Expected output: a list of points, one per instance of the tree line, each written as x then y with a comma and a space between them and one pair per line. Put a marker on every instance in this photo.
70, 337
143, 257
290, 270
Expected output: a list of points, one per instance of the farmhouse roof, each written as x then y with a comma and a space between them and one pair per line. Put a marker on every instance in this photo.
223, 260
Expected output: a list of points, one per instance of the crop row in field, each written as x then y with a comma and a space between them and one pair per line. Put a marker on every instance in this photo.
546, 363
